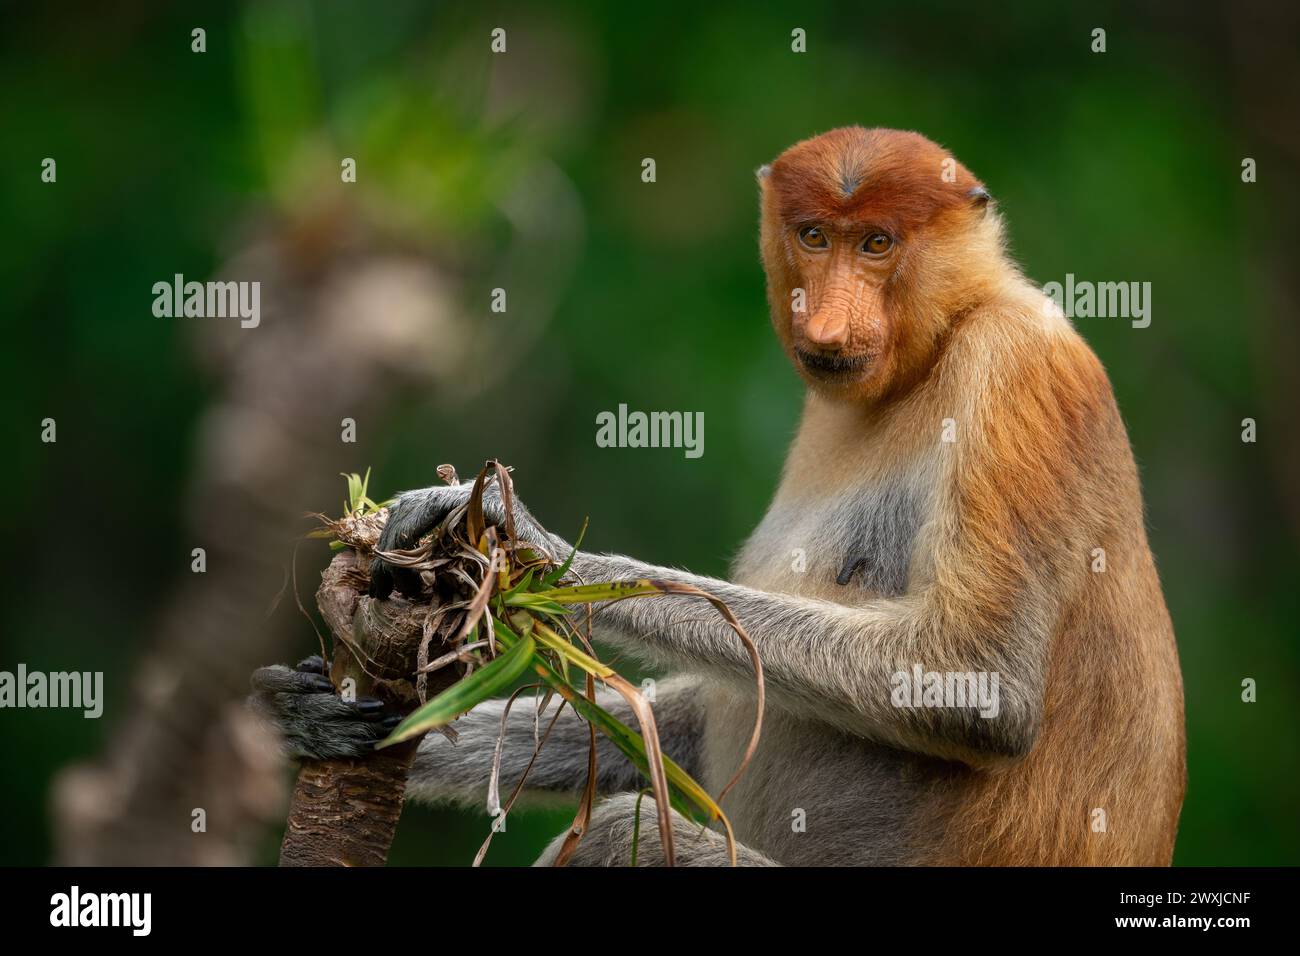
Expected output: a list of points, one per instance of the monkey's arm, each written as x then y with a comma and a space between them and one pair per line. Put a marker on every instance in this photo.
829, 660
820, 658
838, 662
313, 722
444, 772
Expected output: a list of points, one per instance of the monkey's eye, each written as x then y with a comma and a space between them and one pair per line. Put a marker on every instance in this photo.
877, 244
813, 238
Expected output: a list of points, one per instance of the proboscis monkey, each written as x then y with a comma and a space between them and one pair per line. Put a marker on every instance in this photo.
965, 502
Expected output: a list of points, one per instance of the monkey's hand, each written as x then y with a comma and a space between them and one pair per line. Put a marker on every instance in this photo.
416, 513
313, 721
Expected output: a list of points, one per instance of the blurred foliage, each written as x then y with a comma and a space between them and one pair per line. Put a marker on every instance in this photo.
1123, 166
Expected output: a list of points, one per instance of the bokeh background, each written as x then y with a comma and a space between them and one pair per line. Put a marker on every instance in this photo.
522, 171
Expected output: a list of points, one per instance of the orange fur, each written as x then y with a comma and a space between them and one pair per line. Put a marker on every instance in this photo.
1041, 474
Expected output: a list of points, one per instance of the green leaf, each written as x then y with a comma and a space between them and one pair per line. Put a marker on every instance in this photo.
524, 584
534, 603
563, 569
594, 593
569, 652
487, 681
685, 794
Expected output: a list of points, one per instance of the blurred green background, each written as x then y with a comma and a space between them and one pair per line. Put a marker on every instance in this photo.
1122, 166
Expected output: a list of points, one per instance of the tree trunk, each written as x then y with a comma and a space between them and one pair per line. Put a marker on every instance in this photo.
345, 812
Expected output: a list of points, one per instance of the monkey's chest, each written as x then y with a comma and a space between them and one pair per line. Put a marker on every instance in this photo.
859, 545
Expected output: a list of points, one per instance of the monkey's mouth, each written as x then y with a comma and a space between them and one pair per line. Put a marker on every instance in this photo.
832, 366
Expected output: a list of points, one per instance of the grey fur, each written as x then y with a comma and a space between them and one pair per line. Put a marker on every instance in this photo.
458, 773
880, 526
608, 840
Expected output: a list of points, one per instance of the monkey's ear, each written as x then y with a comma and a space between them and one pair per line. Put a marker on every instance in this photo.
979, 197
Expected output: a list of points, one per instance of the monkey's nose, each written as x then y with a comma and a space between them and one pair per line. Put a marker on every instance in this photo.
827, 331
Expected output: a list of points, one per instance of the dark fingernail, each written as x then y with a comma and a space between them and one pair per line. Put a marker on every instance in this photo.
388, 723
321, 682
312, 665
369, 705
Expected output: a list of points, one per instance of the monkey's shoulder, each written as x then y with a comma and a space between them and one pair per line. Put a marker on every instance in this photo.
1010, 364
1018, 334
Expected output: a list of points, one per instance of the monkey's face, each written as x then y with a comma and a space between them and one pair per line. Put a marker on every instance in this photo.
839, 316
849, 228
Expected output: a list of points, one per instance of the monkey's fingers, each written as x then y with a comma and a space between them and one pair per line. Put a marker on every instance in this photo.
324, 727
278, 679
312, 665
270, 683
